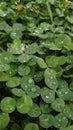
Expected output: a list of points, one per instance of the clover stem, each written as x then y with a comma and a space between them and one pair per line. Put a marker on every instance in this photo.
50, 12
2, 49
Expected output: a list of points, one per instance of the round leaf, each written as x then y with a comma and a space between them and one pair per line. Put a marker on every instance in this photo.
13, 69
4, 77
38, 76
8, 104
24, 104
41, 63
71, 85
18, 92
46, 120
6, 57
32, 90
24, 58
50, 72
68, 111
4, 67
68, 128
15, 127
34, 111
62, 84
47, 95
31, 126
65, 94
32, 49
51, 82
4, 120
26, 82
23, 70
52, 61
13, 82
60, 121
45, 108
58, 105
16, 47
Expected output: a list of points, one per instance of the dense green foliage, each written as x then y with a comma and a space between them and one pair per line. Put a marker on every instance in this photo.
36, 65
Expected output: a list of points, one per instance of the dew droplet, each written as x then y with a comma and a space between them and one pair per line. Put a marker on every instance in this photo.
47, 97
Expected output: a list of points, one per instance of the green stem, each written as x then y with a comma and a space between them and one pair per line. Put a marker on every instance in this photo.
2, 49
50, 12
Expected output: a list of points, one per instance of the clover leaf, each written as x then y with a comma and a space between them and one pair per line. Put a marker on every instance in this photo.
4, 67
23, 70
58, 105
4, 120
60, 121
68, 128
51, 82
24, 58
8, 104
41, 63
18, 92
68, 111
26, 81
31, 126
15, 126
13, 82
46, 120
34, 111
47, 95
24, 104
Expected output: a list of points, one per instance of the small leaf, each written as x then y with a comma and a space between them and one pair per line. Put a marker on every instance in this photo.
60, 121
16, 47
4, 120
4, 76
44, 26
3, 25
6, 57
34, 111
17, 31
18, 92
51, 82
46, 120
68, 111
2, 13
70, 19
47, 95
41, 63
26, 82
31, 126
71, 85
4, 67
32, 90
13, 69
65, 94
67, 128
45, 108
49, 72
13, 82
24, 104
8, 104
15, 127
59, 71
23, 70
32, 61
24, 58
38, 76
31, 49
62, 84
54, 61
58, 105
